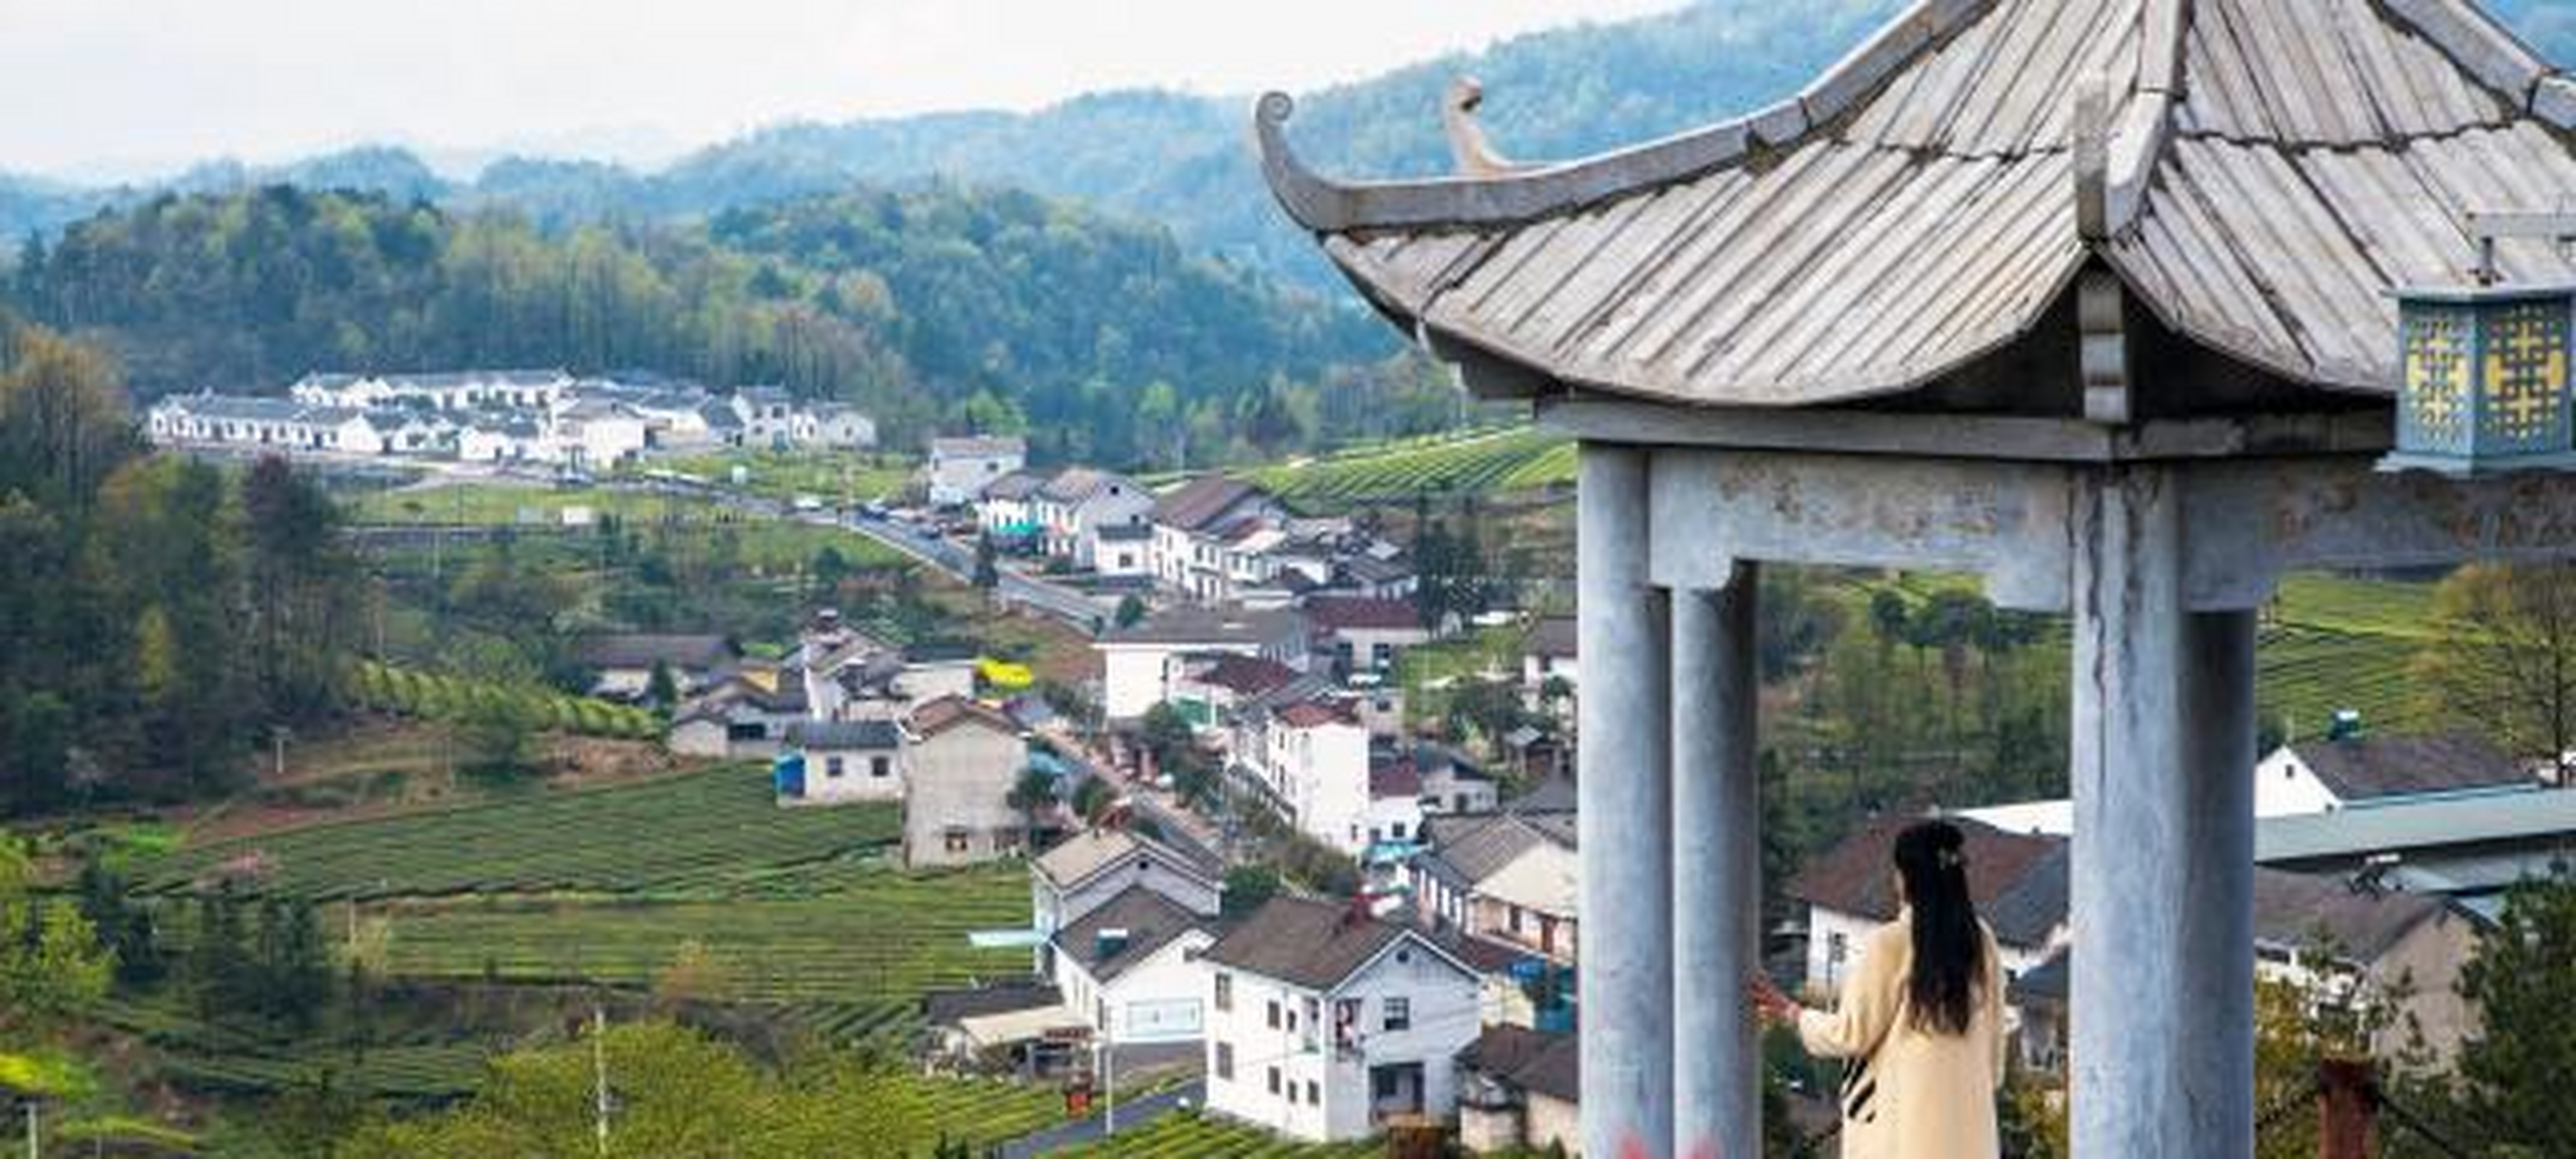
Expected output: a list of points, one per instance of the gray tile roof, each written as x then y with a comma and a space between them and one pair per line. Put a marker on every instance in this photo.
1202, 502
1149, 920
845, 734
2273, 170
2367, 767
1199, 624
1308, 943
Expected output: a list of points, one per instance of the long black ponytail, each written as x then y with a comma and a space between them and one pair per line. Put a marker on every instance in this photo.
1949, 948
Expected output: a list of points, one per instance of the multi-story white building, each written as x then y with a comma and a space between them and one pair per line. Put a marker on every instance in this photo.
1324, 1023
1309, 761
1201, 531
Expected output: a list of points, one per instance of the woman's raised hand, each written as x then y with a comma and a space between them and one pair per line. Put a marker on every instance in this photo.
1768, 1003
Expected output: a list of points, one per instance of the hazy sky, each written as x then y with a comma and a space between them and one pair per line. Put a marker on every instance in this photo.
135, 87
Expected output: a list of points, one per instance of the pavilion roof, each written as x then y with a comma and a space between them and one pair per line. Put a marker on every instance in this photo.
2260, 174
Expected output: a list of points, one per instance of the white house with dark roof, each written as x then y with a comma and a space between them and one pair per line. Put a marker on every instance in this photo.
1007, 508
1505, 877
623, 662
2324, 775
1084, 871
1200, 529
1080, 501
1364, 634
2018, 880
1129, 968
841, 761
1324, 1023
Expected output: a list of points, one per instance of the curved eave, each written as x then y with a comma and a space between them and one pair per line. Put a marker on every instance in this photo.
1325, 205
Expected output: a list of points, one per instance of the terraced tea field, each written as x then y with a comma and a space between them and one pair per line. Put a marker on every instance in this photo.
876, 941
1186, 1135
1484, 463
700, 833
2337, 642
432, 696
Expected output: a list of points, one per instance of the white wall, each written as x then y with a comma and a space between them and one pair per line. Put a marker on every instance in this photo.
1162, 999
2284, 786
859, 779
1131, 678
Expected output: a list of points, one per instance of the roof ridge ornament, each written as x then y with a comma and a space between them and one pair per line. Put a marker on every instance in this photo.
1469, 149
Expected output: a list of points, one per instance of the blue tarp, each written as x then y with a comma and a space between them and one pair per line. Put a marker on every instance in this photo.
787, 774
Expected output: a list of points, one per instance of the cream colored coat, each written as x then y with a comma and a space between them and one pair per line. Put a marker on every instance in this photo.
1910, 1093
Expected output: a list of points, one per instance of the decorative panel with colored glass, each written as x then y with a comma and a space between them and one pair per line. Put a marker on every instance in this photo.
2484, 380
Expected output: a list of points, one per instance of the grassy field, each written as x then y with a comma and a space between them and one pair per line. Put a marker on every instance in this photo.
771, 544
831, 476
1484, 462
695, 833
2335, 642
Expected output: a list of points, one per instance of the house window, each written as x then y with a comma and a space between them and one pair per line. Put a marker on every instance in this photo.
1399, 1014
1292, 1092
1314, 1094
1100, 1013
1225, 991
954, 840
1274, 1080
1837, 947
880, 767
832, 767
1274, 1015
1397, 829
1515, 919
1225, 1061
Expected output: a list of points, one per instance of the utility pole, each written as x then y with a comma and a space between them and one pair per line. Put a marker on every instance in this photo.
599, 1074
32, 1152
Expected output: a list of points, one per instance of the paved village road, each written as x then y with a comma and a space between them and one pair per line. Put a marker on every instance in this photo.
1130, 1117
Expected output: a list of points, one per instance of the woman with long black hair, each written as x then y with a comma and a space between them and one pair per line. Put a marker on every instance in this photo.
1920, 1022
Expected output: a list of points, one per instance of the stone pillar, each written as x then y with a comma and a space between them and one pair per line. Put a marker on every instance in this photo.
2217, 974
2131, 1023
1717, 871
1624, 794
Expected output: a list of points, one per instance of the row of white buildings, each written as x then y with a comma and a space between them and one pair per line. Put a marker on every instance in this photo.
544, 417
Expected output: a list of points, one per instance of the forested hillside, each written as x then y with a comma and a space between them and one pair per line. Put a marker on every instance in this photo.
934, 306
155, 615
1181, 160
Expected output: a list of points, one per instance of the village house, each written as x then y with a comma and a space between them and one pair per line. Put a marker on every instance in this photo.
1082, 872
1308, 761
1077, 503
2356, 771
1024, 1019
596, 434
1207, 688
1326, 1024
2317, 932
744, 714
1007, 510
623, 663
768, 416
2018, 881
960, 760
1129, 969
837, 426
1199, 533
960, 467
1548, 662
1521, 1088
1505, 877
499, 439
1136, 660
834, 762
1359, 634
1122, 551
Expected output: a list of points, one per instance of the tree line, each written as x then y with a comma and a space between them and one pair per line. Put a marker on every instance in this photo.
157, 615
934, 307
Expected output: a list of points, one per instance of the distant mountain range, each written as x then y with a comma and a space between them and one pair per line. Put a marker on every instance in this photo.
1179, 160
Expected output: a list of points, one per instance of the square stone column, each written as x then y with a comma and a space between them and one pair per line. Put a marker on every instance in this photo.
1624, 795
1717, 870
